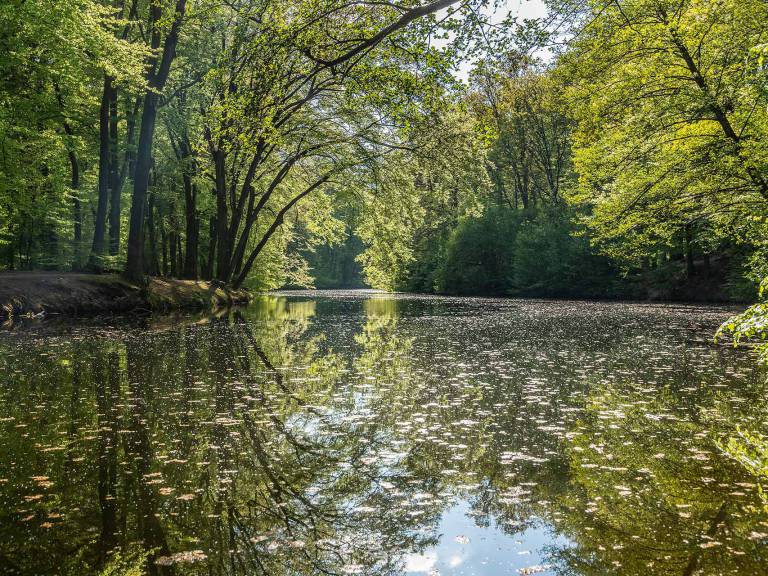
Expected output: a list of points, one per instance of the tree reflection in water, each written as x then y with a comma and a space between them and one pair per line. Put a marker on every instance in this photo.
335, 436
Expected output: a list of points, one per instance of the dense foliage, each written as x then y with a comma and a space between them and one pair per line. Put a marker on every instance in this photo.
627, 165
207, 139
606, 151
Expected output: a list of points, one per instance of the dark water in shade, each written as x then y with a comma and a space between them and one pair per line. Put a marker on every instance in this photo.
366, 434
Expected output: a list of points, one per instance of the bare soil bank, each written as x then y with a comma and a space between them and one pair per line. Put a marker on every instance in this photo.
33, 293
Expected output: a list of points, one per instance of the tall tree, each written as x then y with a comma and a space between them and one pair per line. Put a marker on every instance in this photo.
522, 109
269, 86
671, 138
163, 43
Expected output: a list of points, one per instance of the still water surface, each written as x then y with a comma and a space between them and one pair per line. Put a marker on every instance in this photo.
358, 433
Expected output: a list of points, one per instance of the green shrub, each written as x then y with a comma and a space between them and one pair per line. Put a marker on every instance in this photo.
479, 255
551, 261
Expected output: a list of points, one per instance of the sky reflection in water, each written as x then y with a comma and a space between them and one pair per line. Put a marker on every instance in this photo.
367, 434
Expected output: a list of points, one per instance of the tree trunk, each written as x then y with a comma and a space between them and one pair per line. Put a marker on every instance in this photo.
191, 248
192, 226
133, 266
690, 268
276, 223
99, 226
222, 237
208, 273
180, 255
525, 190
237, 258
115, 183
154, 265
77, 208
164, 242
157, 76
172, 250
126, 170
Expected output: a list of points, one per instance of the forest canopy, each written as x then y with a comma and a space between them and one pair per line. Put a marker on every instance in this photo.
605, 150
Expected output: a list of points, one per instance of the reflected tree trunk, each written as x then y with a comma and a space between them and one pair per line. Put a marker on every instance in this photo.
107, 382
140, 368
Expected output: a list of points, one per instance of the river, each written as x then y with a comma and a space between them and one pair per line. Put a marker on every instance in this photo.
363, 433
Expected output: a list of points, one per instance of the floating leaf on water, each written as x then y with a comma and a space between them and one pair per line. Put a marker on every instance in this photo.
259, 539
188, 557
536, 569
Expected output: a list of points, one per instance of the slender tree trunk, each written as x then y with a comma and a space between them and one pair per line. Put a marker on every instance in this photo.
133, 266
239, 255
172, 250
222, 237
252, 213
192, 226
115, 182
690, 268
526, 181
126, 170
99, 226
180, 255
164, 242
191, 248
77, 208
182, 147
276, 223
211, 249
154, 266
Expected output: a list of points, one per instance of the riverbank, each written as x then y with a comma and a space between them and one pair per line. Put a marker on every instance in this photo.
42, 293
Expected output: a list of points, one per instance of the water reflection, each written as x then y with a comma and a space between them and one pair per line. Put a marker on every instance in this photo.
381, 435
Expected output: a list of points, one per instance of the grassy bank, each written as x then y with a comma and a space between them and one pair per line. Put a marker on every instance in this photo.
33, 293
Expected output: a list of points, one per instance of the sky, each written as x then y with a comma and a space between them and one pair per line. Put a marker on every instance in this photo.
526, 8
522, 9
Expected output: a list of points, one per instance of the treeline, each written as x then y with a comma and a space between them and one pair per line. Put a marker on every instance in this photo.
629, 162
